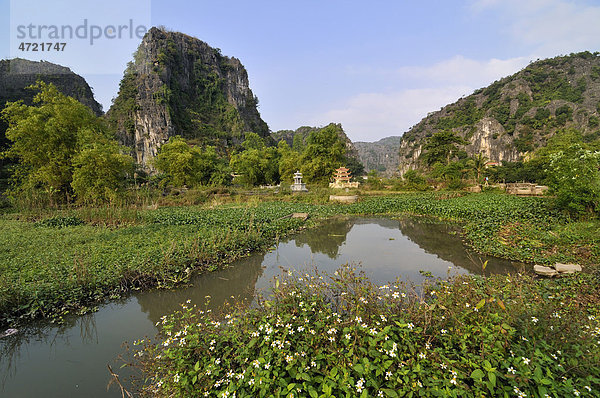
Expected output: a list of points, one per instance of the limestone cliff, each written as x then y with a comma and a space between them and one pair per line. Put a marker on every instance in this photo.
381, 155
17, 74
517, 114
179, 85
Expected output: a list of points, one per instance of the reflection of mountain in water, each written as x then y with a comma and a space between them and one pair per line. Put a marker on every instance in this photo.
387, 223
444, 241
238, 281
327, 238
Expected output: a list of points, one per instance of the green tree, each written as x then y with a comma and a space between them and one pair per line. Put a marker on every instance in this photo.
324, 152
100, 171
257, 164
46, 138
298, 143
478, 163
289, 161
184, 165
442, 147
574, 177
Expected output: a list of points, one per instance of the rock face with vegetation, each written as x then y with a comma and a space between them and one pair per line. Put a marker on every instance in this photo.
381, 156
17, 74
179, 85
517, 114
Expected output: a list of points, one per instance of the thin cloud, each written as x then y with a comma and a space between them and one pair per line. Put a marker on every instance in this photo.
549, 27
371, 116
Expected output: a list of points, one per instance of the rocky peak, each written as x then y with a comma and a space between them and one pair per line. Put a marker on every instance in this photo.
517, 114
179, 85
17, 74
381, 155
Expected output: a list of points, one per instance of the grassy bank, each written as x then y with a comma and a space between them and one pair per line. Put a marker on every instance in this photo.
344, 337
55, 262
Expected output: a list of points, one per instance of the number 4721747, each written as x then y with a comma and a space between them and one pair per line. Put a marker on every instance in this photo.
42, 46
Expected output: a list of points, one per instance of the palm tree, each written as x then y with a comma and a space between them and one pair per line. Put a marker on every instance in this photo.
478, 163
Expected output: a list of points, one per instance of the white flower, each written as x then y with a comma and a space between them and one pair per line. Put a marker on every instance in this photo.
526, 360
410, 326
534, 319
511, 370
176, 378
453, 381
395, 295
444, 331
443, 366
421, 355
359, 385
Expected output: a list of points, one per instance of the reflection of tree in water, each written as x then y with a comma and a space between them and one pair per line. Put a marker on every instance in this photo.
43, 331
444, 241
238, 280
327, 238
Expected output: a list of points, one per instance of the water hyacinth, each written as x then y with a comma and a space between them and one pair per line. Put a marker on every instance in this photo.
425, 345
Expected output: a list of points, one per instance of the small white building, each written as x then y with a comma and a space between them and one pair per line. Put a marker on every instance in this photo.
298, 185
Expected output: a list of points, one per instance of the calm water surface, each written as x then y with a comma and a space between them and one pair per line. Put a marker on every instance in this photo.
71, 360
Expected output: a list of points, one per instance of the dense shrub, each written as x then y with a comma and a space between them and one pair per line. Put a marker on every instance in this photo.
343, 336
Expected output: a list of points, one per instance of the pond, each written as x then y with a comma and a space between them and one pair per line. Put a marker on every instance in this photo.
71, 359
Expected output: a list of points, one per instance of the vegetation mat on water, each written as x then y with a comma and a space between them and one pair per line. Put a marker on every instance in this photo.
71, 260
341, 336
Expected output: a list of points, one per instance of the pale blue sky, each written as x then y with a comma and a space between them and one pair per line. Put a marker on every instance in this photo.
375, 67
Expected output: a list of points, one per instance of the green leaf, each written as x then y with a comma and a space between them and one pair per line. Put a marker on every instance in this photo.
480, 304
359, 368
390, 393
333, 372
477, 374
492, 377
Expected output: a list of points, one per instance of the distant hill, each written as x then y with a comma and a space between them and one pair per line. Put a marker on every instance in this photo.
303, 132
179, 85
517, 114
381, 155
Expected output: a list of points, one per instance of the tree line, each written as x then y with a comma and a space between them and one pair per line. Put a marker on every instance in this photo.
64, 153
568, 164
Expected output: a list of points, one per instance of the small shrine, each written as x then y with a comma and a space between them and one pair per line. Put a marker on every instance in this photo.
341, 178
298, 185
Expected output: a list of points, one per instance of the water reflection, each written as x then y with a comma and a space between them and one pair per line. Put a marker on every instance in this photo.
238, 281
326, 239
444, 241
70, 360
